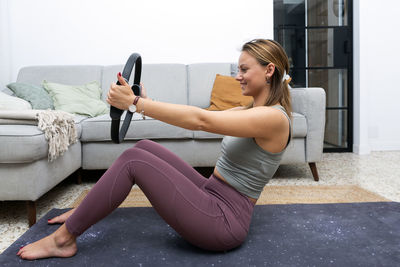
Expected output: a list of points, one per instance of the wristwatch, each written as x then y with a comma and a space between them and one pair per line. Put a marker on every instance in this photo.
133, 108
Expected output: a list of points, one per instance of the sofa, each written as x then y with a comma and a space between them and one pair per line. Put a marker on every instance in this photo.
26, 174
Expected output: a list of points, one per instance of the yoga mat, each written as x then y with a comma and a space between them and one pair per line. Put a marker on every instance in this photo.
351, 234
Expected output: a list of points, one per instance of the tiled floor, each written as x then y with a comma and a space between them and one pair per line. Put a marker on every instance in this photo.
378, 172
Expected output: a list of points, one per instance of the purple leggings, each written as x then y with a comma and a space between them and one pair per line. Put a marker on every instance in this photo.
206, 212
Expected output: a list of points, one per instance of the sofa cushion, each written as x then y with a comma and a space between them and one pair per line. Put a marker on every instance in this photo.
201, 80
163, 82
206, 135
78, 74
78, 119
21, 143
26, 143
98, 129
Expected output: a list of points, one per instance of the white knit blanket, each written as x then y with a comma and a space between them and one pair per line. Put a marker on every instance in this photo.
58, 127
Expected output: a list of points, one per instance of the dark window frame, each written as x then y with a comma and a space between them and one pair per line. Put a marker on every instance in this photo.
349, 67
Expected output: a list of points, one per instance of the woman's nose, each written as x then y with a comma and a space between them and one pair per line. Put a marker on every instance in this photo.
238, 77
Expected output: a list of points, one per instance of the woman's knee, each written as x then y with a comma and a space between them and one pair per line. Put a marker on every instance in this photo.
144, 143
131, 153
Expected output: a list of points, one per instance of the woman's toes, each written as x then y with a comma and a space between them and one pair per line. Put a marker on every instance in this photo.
19, 251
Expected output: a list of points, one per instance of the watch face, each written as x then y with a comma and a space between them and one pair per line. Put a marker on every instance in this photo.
132, 108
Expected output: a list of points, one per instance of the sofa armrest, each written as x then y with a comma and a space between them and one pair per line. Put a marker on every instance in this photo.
311, 103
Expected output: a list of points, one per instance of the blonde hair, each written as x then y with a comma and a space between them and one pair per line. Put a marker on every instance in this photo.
268, 51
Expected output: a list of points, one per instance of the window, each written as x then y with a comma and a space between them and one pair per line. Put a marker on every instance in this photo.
317, 36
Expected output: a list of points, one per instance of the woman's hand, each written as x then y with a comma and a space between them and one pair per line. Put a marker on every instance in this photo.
120, 96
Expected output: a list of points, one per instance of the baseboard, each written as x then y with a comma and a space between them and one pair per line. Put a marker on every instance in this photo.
389, 145
361, 149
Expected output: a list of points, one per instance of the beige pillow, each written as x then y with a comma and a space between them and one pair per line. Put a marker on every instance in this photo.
227, 93
8, 102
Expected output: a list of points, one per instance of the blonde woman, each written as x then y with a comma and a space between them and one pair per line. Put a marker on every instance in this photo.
214, 213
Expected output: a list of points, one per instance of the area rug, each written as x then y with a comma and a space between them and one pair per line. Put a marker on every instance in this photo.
346, 234
280, 195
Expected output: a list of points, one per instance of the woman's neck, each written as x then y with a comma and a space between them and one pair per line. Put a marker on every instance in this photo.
261, 98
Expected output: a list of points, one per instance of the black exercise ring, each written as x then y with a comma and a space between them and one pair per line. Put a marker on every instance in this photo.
118, 135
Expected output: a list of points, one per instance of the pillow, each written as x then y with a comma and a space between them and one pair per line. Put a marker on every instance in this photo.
79, 99
8, 102
7, 91
36, 95
227, 93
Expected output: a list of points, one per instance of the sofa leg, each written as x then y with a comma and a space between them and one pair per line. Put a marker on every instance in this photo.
31, 205
78, 175
314, 171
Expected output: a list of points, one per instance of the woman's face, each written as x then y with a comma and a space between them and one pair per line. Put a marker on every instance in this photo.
251, 75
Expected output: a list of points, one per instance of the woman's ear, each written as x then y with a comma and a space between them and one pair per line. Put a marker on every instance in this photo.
269, 70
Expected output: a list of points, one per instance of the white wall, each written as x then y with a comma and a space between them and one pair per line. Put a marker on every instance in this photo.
108, 31
5, 59
376, 85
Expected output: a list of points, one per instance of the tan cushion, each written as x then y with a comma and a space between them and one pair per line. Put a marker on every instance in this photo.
227, 93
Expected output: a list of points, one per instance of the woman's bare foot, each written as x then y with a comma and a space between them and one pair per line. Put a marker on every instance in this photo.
61, 218
59, 244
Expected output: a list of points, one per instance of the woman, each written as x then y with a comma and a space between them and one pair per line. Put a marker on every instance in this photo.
213, 213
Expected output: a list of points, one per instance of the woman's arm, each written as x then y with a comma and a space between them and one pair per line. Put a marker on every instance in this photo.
262, 122
235, 108
255, 122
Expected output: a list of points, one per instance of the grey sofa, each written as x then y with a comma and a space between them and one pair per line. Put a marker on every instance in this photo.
26, 174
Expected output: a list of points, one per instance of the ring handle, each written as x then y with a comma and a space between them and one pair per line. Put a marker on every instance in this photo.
117, 134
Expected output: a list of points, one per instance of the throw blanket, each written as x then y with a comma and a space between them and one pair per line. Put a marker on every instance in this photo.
58, 127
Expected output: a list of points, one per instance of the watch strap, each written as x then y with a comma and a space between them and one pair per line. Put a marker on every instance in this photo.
136, 100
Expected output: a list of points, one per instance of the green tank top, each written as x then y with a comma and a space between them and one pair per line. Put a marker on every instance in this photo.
245, 165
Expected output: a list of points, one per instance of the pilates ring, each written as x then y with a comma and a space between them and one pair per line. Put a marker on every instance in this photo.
117, 134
